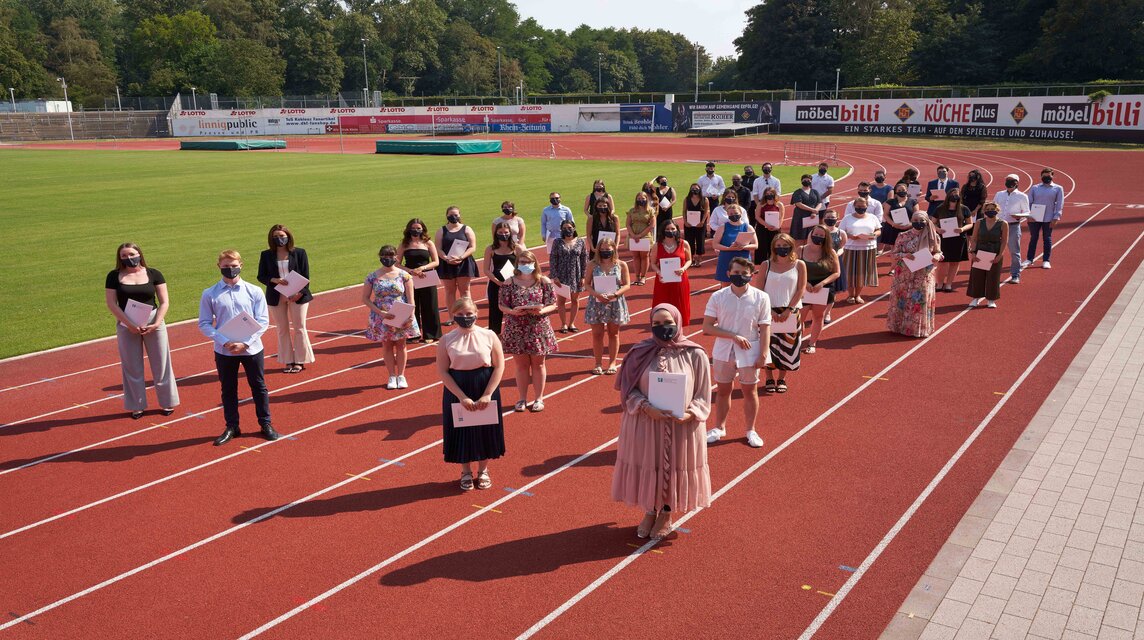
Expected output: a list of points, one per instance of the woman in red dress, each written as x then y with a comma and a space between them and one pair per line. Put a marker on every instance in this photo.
677, 294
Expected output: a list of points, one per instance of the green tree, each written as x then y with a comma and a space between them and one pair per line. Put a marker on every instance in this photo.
313, 65
787, 42
876, 40
243, 67
78, 58
23, 50
414, 31
170, 51
723, 75
1088, 39
960, 48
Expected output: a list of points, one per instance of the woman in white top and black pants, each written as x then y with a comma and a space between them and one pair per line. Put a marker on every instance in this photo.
783, 278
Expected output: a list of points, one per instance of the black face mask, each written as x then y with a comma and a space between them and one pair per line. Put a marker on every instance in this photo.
606, 254
900, 194
767, 171
665, 332
670, 234
817, 239
991, 213
508, 212
504, 237
389, 261
739, 279
230, 272
879, 179
782, 252
1011, 184
954, 199
554, 201
567, 233
695, 192
710, 171
728, 202
863, 194
465, 322
769, 198
734, 217
821, 171
830, 222
453, 218
806, 183
663, 184
641, 203
281, 241
601, 211
860, 210
919, 224
736, 182
1047, 179
133, 261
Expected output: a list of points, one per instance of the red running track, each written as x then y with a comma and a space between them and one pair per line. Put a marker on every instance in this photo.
398, 550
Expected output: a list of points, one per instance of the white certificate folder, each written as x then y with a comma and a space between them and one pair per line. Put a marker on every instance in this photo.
669, 392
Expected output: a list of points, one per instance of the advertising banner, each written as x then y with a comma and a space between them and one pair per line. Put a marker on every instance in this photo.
1116, 118
644, 117
690, 115
465, 119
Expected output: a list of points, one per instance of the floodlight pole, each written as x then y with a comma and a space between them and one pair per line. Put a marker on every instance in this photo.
697, 73
12, 94
500, 90
194, 98
118, 100
599, 72
837, 76
365, 71
67, 105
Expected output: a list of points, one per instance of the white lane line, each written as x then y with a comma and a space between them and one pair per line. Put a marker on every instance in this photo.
633, 556
841, 594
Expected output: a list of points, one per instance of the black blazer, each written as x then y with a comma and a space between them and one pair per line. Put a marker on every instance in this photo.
268, 268
950, 183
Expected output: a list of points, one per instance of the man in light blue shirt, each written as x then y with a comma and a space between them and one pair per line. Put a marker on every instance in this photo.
1052, 197
226, 300
553, 216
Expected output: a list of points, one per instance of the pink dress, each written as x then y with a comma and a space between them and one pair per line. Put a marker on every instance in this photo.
662, 462
528, 334
912, 298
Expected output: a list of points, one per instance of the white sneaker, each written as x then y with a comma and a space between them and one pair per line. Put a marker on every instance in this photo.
1046, 265
991, 304
973, 304
1025, 264
714, 435
754, 439
401, 383
392, 384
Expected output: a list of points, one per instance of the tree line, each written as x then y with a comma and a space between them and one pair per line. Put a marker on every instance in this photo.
483, 47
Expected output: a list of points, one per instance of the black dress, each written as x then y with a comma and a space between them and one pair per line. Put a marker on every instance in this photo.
470, 444
424, 299
972, 197
665, 215
809, 198
890, 233
496, 317
955, 249
468, 266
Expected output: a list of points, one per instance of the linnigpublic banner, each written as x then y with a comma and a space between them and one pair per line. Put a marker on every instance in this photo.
1116, 118
689, 115
644, 117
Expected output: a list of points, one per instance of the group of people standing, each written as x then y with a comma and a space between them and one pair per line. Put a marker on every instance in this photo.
780, 275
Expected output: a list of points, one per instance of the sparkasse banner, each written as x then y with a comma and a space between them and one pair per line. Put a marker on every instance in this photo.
1116, 118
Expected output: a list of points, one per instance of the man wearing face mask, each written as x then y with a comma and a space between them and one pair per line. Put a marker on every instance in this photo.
228, 298
1052, 197
875, 207
942, 184
761, 183
743, 194
749, 177
553, 216
739, 316
712, 186
1014, 207
880, 190
822, 183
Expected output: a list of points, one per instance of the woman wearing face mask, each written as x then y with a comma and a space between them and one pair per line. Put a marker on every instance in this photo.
470, 363
662, 193
766, 233
418, 254
527, 299
607, 311
838, 239
974, 194
822, 270
503, 250
677, 294
953, 248
455, 272
566, 266
696, 216
860, 259
641, 226
912, 292
805, 202
992, 235
880, 190
603, 220
133, 280
783, 278
727, 240
288, 313
890, 230
515, 222
382, 288
661, 459
599, 192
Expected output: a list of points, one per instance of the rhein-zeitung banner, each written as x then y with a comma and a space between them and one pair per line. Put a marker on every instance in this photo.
1116, 118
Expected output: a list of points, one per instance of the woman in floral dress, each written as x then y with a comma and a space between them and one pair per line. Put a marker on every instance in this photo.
527, 299
566, 265
912, 292
382, 288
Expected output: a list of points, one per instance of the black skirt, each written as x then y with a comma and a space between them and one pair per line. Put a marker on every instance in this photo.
955, 249
470, 444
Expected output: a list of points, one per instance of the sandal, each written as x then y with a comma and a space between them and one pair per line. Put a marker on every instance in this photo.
572, 328
769, 387
850, 300
663, 525
598, 371
520, 406
644, 528
466, 481
483, 479
536, 407
611, 370
859, 301
135, 415
808, 349
167, 412
781, 386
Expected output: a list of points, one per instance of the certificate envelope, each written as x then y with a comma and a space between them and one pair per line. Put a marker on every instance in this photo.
667, 269
937, 195
693, 218
240, 328
639, 245
949, 228
984, 260
669, 391
790, 325
564, 291
746, 357
664, 203
139, 313
507, 270
605, 284
294, 283
604, 235
462, 417
1038, 212
401, 311
900, 216
458, 248
431, 279
816, 298
810, 221
771, 218
922, 259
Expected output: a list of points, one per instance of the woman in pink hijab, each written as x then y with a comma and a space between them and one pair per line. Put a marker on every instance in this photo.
661, 465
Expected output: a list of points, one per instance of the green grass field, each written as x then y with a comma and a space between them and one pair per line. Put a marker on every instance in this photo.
65, 212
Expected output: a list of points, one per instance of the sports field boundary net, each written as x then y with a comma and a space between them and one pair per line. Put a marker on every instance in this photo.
809, 152
541, 148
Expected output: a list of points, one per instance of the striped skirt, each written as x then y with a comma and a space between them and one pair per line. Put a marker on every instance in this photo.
861, 267
786, 348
